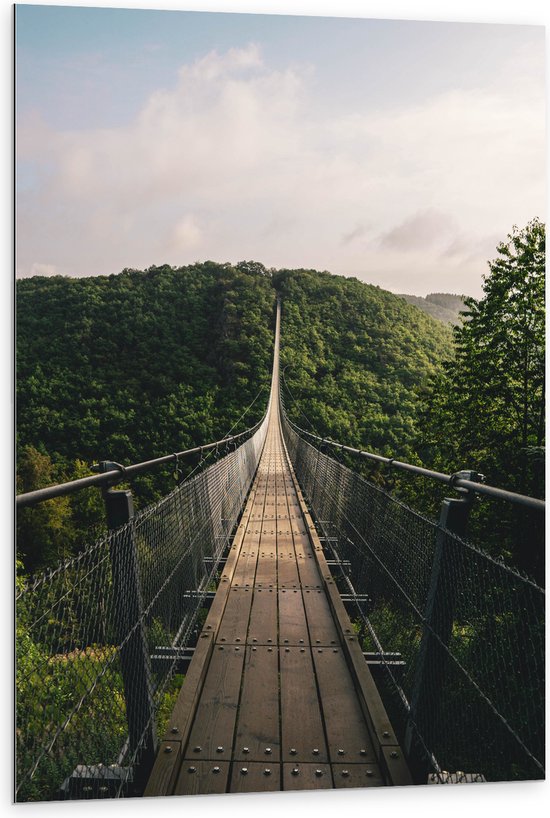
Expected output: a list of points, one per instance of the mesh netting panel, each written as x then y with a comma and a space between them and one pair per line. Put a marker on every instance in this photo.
100, 637
468, 692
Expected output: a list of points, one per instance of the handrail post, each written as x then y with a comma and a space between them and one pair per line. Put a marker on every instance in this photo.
134, 654
439, 610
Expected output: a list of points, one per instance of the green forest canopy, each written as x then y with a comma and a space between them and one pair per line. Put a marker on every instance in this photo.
131, 366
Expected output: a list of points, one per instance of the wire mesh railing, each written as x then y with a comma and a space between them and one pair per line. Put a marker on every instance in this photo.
468, 693
100, 639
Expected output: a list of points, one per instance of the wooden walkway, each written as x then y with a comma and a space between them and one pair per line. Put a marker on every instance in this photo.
278, 695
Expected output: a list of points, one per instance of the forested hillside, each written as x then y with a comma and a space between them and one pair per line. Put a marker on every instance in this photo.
131, 366
445, 307
356, 359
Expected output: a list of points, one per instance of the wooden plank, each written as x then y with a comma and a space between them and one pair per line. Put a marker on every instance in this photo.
262, 628
307, 777
287, 571
164, 769
180, 720
268, 543
266, 572
302, 543
374, 712
234, 624
212, 731
255, 777
259, 490
256, 513
308, 571
218, 605
322, 630
251, 541
395, 767
160, 780
301, 724
292, 618
268, 539
348, 737
285, 550
245, 569
202, 777
357, 775
284, 532
371, 703
257, 734
179, 726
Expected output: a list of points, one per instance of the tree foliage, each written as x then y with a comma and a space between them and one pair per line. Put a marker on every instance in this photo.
486, 410
129, 367
355, 360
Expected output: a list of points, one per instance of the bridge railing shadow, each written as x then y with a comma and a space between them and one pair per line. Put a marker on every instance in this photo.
457, 636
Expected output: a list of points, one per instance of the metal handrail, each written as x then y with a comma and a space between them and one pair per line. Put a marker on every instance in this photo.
454, 480
113, 473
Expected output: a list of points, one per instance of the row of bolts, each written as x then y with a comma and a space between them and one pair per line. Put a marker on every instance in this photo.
267, 771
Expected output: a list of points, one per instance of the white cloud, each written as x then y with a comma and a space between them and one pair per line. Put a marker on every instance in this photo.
186, 234
238, 161
214, 66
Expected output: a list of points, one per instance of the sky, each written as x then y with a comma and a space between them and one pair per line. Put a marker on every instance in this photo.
399, 152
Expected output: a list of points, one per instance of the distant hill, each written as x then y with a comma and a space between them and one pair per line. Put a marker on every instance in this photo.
443, 306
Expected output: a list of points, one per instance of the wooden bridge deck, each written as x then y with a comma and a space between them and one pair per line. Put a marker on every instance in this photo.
278, 695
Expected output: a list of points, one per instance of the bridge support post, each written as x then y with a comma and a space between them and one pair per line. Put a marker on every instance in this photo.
438, 616
134, 653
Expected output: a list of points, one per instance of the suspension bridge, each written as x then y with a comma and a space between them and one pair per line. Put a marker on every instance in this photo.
277, 622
